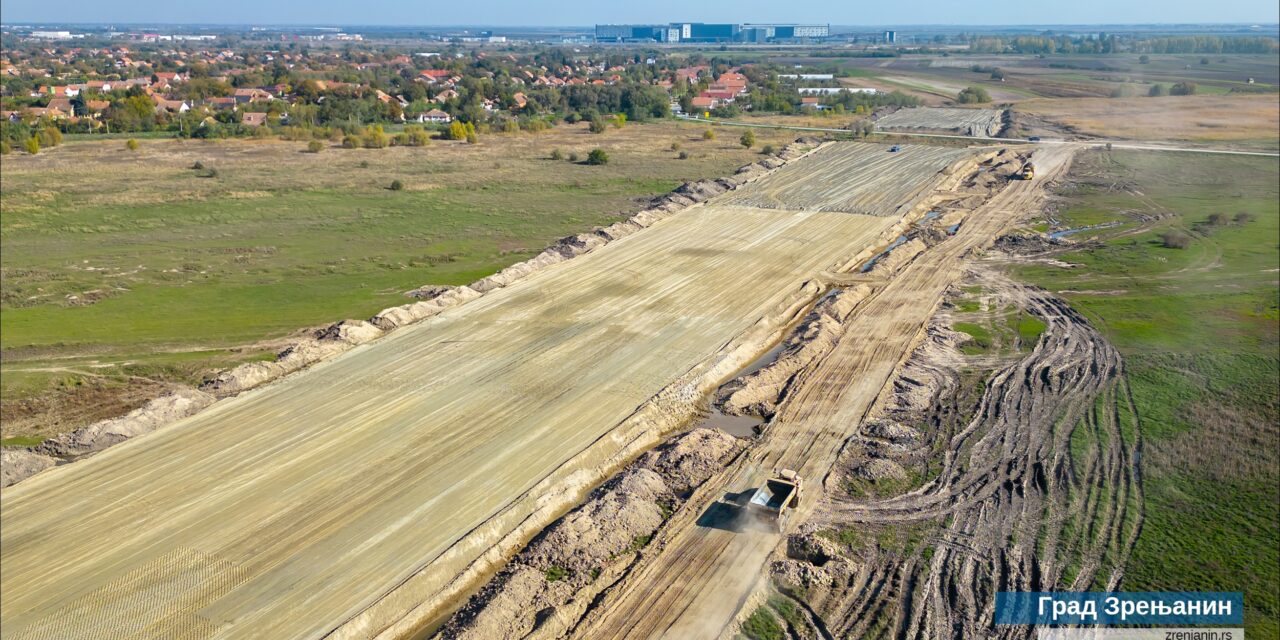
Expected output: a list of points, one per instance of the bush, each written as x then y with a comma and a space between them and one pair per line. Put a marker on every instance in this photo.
708, 135
557, 154
350, 142
620, 120
767, 150
32, 145
675, 146
5, 148
396, 185
597, 156
597, 125
1157, 90
416, 136
198, 165
1144, 59
762, 625
364, 164
1219, 219
1244, 217
748, 139
131, 144
315, 146
684, 155
1183, 89
211, 173
457, 130
573, 156
1175, 240
973, 95
554, 573
50, 137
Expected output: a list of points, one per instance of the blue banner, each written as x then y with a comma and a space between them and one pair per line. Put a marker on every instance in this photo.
1106, 608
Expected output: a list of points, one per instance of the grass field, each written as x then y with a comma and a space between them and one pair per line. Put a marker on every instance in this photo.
135, 267
1200, 331
1247, 121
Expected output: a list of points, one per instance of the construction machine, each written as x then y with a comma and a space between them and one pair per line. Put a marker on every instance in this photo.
1028, 171
774, 501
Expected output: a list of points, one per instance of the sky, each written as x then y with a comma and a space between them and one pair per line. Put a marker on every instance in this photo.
567, 13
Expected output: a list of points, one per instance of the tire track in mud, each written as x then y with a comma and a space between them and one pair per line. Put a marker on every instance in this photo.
1038, 490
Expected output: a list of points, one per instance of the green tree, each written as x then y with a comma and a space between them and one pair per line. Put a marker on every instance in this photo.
470, 134
457, 130
619, 120
748, 139
597, 156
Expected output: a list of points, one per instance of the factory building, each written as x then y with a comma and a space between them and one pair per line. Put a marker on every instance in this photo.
710, 33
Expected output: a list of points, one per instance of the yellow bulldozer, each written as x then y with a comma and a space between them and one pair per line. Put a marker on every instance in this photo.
1028, 172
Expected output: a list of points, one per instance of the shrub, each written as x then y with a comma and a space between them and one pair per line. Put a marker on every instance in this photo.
708, 135
675, 146
396, 185
1144, 59
350, 142
1175, 240
32, 145
364, 164
374, 138
597, 125
457, 130
573, 156
767, 150
131, 144
5, 148
597, 156
1157, 90
198, 165
211, 173
684, 155
315, 146
973, 95
1218, 219
557, 154
620, 120
416, 136
1183, 89
50, 137
1244, 217
748, 139
554, 573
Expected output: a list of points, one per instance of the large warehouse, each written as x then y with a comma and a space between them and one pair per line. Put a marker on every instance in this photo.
703, 32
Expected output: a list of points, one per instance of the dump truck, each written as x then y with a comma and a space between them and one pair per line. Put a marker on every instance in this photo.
1028, 171
774, 501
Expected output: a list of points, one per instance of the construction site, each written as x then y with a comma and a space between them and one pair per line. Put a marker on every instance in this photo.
383, 473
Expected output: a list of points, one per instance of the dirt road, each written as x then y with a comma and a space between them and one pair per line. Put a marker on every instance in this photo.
699, 576
1039, 491
338, 500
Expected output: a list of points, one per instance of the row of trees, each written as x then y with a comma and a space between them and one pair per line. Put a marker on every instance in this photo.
1111, 43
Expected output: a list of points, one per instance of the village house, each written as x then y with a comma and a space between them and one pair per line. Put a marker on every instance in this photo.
253, 119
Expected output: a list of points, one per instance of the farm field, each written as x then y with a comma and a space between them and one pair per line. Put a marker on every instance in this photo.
851, 177
126, 271
1199, 330
1243, 121
487, 413
973, 122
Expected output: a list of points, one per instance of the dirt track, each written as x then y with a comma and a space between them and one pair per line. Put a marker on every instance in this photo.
1015, 508
697, 577
338, 500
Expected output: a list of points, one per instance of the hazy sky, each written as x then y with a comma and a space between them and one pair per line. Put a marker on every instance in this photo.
565, 12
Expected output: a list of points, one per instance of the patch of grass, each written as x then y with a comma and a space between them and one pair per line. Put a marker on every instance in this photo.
1200, 334
638, 543
22, 441
981, 341
554, 573
762, 625
1029, 329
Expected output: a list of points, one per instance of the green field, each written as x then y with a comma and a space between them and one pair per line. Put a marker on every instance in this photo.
120, 265
1200, 334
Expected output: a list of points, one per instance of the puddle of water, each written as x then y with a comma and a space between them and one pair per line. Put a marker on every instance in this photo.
872, 262
931, 215
736, 426
951, 230
771, 355
1070, 232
